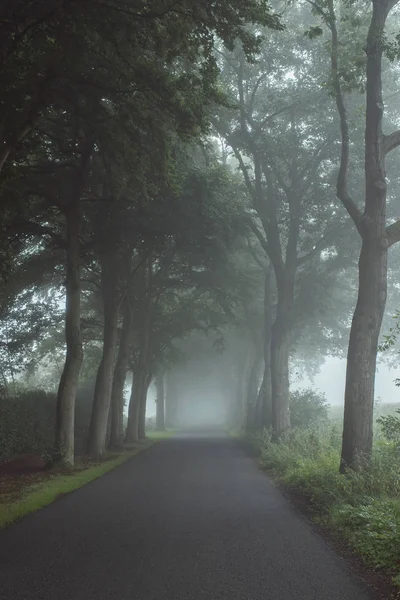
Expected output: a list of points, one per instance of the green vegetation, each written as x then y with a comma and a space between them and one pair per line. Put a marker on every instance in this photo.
186, 188
361, 507
54, 486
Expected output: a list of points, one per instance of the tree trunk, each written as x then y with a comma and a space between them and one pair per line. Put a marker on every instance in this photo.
143, 406
65, 416
239, 408
65, 412
280, 353
367, 318
264, 400
132, 429
117, 393
171, 401
160, 402
102, 392
137, 403
252, 390
362, 353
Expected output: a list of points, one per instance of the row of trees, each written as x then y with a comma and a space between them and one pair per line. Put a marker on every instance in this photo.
288, 155
102, 104
169, 168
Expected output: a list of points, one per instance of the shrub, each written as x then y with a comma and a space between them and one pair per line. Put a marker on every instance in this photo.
307, 407
27, 422
390, 426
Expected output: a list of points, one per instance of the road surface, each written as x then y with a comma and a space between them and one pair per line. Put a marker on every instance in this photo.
192, 518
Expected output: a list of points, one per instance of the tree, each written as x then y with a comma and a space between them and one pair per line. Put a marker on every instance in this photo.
160, 402
371, 223
64, 434
282, 148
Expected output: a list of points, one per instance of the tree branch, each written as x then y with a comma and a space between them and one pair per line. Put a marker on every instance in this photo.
322, 243
254, 254
393, 233
259, 235
391, 141
341, 186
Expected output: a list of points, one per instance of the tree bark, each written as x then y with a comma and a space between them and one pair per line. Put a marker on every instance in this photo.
367, 318
65, 416
264, 400
136, 419
143, 406
160, 402
171, 401
102, 393
362, 353
132, 429
120, 371
252, 390
280, 353
65, 412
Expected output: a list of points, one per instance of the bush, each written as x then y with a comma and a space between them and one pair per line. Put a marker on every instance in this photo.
390, 426
307, 407
27, 422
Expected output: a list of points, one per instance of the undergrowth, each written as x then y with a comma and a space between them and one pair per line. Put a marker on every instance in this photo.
363, 507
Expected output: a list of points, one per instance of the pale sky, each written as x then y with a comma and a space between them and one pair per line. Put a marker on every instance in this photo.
331, 381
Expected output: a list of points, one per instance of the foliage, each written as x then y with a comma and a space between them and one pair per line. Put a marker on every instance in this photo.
390, 426
363, 506
372, 528
27, 423
307, 407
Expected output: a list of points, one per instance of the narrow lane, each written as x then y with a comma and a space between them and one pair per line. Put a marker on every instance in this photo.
192, 518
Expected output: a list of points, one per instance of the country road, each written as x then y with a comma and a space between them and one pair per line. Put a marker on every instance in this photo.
192, 518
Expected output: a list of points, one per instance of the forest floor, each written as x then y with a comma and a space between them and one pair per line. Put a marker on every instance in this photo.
26, 485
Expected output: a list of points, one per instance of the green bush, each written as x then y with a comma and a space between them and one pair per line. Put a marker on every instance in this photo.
27, 422
307, 407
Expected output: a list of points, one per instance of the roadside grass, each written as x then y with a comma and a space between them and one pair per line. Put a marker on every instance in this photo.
362, 508
54, 485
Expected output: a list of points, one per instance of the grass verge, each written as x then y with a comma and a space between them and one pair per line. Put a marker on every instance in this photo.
54, 485
362, 508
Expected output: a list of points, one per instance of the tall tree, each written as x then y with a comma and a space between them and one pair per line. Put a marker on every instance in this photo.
64, 440
281, 148
371, 223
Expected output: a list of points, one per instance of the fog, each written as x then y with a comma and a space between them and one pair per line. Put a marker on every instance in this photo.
213, 266
331, 381
202, 404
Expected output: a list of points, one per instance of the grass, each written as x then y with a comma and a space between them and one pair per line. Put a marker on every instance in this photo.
34, 497
362, 508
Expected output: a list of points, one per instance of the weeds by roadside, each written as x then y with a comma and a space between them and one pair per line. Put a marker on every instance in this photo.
363, 507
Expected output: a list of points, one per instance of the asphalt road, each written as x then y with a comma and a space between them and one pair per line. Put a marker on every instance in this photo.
192, 518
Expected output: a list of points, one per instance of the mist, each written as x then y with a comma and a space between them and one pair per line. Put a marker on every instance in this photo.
331, 382
199, 298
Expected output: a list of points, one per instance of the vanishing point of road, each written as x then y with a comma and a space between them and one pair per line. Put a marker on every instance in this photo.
192, 518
